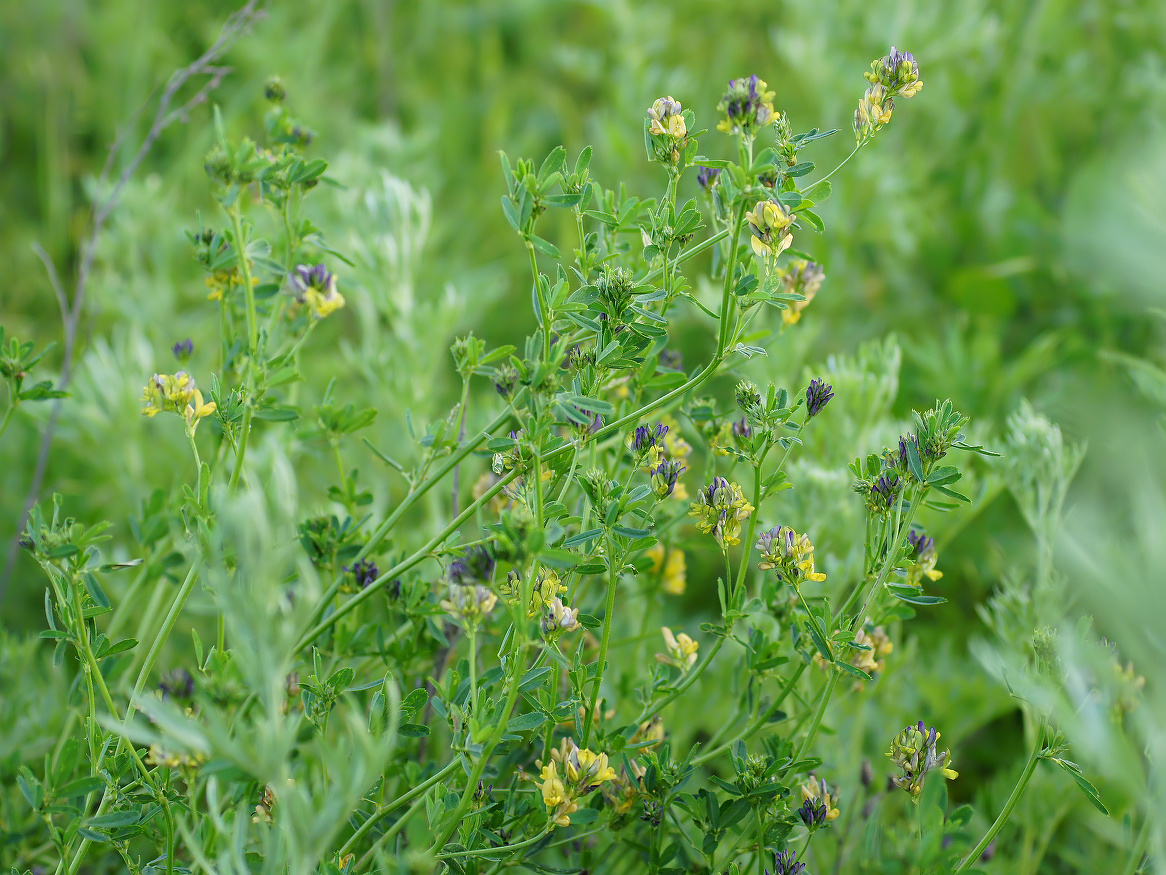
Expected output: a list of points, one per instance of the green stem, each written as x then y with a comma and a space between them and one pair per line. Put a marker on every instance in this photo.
750, 528
7, 417
608, 619
1017, 791
479, 852
248, 291
517, 659
239, 456
544, 310
403, 799
845, 161
757, 723
389, 833
760, 842
472, 634
689, 680
819, 713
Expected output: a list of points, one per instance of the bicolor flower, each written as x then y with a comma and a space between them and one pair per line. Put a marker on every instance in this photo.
315, 288
921, 558
789, 554
721, 506
747, 106
769, 223
914, 751
819, 801
176, 393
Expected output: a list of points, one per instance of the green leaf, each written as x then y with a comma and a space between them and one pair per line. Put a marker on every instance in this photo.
81, 787
412, 730
545, 246
96, 592
850, 669
526, 722
913, 460
30, 787
511, 213
113, 820
913, 596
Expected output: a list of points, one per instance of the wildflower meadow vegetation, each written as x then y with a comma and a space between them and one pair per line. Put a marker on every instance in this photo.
622, 501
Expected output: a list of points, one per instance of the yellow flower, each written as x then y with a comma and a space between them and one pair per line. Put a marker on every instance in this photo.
673, 566
721, 505
176, 393
815, 790
770, 222
681, 650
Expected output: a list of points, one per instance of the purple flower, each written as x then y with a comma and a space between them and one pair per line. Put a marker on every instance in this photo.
665, 475
818, 395
476, 566
813, 813
706, 177
183, 349
178, 684
784, 863
365, 572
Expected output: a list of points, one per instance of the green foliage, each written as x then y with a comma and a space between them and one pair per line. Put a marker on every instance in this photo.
453, 667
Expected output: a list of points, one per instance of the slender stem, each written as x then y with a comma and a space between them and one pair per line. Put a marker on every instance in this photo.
389, 833
839, 167
689, 680
481, 852
472, 634
608, 620
1138, 849
760, 842
517, 659
751, 526
242, 453
404, 798
759, 721
827, 691
1017, 791
544, 310
248, 291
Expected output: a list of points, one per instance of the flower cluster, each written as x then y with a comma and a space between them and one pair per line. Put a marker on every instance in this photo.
747, 106
895, 75
364, 574
176, 393
789, 554
571, 774
914, 751
658, 450
799, 277
315, 288
547, 588
819, 803
721, 506
706, 177
785, 863
921, 559
769, 223
670, 565
681, 650
558, 618
668, 128
818, 395
469, 605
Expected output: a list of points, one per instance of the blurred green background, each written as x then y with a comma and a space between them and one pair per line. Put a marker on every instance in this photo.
1009, 226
